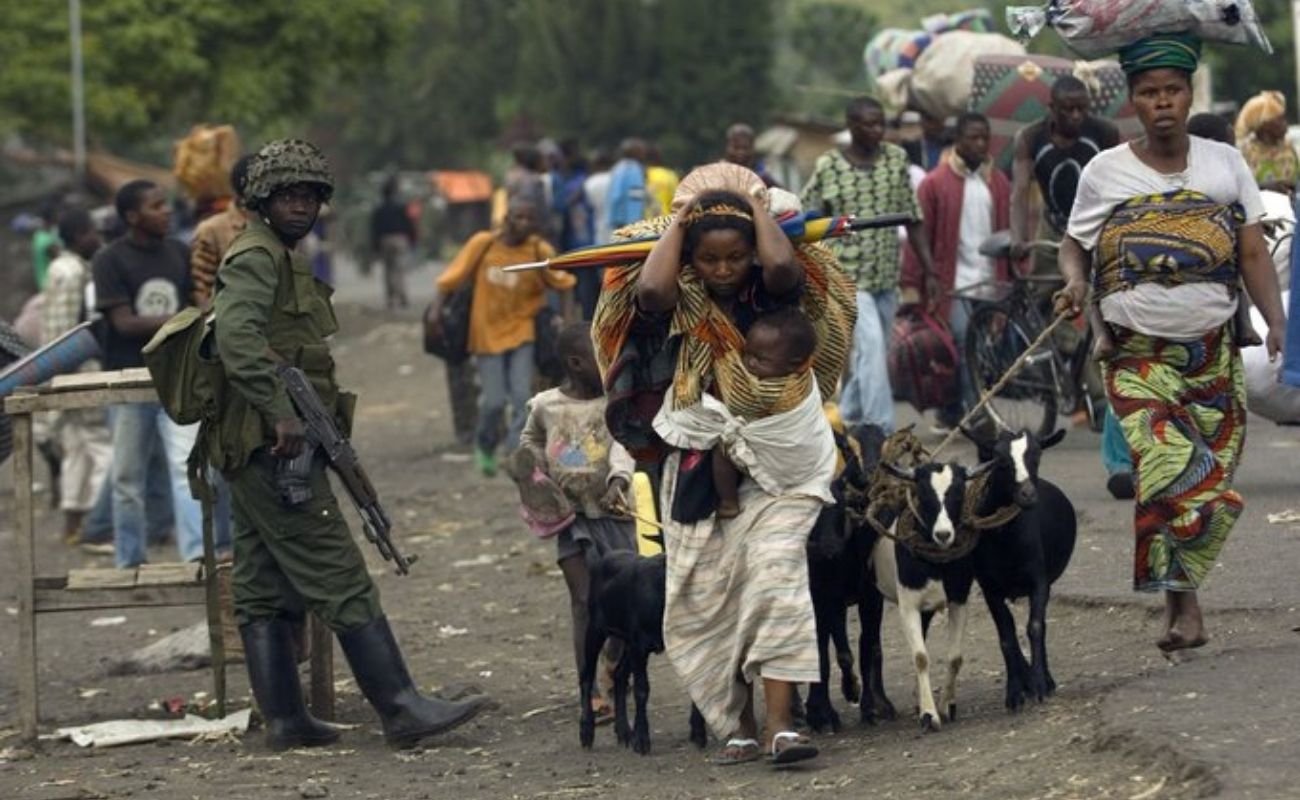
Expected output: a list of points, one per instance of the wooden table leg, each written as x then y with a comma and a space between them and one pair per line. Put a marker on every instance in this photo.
322, 668
25, 536
212, 586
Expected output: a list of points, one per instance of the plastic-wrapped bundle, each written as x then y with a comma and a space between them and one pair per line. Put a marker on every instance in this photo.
1094, 28
891, 49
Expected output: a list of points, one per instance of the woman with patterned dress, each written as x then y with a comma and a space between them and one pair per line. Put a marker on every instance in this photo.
1167, 226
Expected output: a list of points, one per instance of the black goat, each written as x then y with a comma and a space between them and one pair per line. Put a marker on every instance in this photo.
626, 601
836, 580
1024, 557
838, 553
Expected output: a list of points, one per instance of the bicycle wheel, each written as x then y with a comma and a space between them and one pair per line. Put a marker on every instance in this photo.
994, 340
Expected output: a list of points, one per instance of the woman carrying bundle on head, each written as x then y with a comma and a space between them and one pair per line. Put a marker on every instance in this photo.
1168, 225
671, 336
1261, 135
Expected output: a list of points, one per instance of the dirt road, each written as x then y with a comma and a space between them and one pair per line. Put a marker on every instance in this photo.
485, 606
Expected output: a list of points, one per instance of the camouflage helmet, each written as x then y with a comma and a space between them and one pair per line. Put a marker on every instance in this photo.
286, 162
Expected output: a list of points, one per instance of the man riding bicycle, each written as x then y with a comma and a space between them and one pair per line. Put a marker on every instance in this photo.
1053, 153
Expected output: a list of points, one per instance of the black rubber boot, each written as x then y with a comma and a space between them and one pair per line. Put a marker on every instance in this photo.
273, 675
407, 715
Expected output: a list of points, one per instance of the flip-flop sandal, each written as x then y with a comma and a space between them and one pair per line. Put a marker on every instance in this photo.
746, 750
797, 749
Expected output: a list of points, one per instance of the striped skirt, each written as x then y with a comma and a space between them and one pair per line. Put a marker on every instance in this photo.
1182, 407
737, 605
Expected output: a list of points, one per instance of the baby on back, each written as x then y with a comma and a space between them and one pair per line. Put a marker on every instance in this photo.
779, 344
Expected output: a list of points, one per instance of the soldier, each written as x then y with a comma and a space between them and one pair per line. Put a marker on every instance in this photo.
269, 308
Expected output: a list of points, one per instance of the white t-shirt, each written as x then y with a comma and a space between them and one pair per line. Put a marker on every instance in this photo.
1116, 176
976, 226
596, 187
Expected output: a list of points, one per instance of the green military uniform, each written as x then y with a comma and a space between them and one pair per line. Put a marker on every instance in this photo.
268, 306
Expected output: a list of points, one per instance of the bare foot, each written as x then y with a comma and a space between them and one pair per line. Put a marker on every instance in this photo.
1186, 626
728, 509
1175, 640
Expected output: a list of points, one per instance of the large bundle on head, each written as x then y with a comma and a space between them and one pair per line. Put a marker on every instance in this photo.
891, 49
898, 48
710, 344
940, 83
203, 161
1094, 28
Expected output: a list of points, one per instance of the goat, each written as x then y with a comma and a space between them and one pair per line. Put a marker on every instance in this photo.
1024, 557
920, 588
626, 601
835, 580
838, 553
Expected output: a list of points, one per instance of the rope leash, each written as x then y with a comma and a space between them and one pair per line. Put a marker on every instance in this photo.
1011, 372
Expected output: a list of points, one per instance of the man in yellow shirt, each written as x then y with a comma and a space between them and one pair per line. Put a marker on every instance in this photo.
660, 183
501, 319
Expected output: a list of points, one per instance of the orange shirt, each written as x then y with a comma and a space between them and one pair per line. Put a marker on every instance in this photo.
505, 303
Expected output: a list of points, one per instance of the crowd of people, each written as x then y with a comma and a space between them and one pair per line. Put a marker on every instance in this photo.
674, 333
707, 363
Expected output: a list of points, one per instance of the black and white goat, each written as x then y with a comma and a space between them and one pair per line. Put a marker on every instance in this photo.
920, 587
1024, 557
626, 601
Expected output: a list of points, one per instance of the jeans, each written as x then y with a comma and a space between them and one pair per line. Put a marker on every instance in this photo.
867, 397
958, 322
503, 378
159, 519
1115, 455
134, 441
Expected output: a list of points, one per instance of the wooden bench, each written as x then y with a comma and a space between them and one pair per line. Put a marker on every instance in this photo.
150, 586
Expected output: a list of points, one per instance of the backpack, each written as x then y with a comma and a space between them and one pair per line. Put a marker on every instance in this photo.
453, 345
185, 367
922, 359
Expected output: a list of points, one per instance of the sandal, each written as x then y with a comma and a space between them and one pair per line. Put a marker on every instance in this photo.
742, 751
798, 748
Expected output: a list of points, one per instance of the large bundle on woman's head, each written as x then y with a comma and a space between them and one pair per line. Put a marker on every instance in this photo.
1094, 28
721, 176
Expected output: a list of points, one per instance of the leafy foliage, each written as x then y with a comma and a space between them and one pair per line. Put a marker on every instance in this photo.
164, 64
384, 84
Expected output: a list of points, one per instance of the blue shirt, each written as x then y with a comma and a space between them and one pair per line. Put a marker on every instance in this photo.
626, 194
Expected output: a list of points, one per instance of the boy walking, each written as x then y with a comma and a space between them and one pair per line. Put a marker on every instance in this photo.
141, 280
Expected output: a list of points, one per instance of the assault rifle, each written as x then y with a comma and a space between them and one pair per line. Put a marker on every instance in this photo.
291, 475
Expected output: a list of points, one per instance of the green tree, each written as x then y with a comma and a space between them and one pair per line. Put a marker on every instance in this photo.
153, 67
436, 100
676, 71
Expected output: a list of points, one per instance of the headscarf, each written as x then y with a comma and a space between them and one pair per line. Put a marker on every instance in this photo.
1259, 109
1162, 51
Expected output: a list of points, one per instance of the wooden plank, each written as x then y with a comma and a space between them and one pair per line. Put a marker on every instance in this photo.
168, 574
135, 378
83, 579
322, 668
25, 566
91, 398
48, 601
